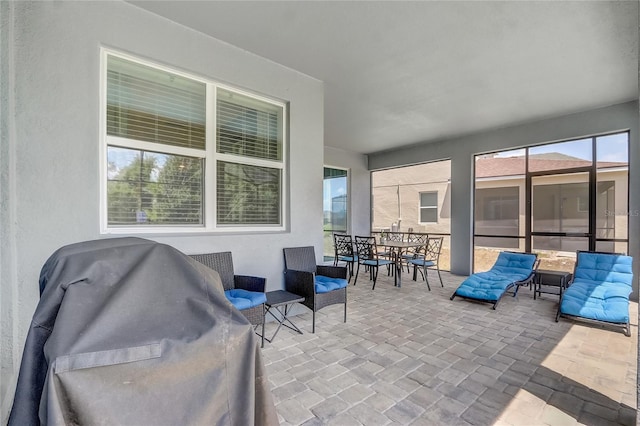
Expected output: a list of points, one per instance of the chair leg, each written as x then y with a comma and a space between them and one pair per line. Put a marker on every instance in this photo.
374, 271
313, 322
345, 305
357, 271
440, 277
426, 278
264, 320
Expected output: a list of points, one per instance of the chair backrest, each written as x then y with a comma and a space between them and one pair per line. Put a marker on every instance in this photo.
222, 263
366, 248
432, 248
417, 237
300, 259
343, 245
509, 262
395, 236
604, 267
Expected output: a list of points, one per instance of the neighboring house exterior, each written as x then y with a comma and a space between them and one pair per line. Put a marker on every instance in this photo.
418, 197
559, 203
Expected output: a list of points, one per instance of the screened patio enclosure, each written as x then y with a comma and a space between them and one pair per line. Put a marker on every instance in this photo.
553, 199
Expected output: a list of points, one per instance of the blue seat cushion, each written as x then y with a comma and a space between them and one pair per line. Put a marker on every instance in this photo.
326, 284
604, 302
422, 262
488, 285
348, 258
244, 299
379, 262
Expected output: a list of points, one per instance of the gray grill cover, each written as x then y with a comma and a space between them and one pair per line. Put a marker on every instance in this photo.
132, 332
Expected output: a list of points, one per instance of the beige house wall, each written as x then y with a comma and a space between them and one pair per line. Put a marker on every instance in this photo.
396, 196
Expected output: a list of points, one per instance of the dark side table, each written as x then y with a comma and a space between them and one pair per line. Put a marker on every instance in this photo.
550, 282
281, 301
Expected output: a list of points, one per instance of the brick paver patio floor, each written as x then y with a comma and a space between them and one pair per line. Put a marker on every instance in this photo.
407, 356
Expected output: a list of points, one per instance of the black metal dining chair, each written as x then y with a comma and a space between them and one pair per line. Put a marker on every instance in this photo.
429, 258
367, 252
414, 252
343, 248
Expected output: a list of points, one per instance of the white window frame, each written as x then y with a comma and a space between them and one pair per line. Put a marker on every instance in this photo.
209, 154
420, 206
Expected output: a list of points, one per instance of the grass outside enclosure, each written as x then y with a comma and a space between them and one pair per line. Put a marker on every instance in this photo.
484, 258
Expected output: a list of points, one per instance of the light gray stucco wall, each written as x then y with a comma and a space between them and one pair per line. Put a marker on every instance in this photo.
461, 151
50, 143
6, 218
359, 189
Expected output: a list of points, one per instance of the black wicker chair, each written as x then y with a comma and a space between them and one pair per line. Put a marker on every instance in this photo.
222, 263
300, 274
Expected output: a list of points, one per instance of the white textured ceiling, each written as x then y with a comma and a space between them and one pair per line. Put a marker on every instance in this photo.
398, 73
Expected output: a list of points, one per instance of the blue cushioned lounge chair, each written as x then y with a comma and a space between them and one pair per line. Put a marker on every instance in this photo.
600, 289
511, 269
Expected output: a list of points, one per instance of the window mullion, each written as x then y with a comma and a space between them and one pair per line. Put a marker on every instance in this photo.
210, 164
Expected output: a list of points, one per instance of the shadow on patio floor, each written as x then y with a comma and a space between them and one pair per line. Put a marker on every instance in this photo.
410, 356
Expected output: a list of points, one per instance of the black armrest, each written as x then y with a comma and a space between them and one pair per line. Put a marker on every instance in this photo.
249, 283
299, 282
332, 271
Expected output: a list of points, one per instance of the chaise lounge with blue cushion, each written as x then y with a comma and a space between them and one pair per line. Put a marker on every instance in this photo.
599, 292
511, 269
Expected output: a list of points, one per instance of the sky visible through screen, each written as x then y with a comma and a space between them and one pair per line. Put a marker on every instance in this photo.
610, 148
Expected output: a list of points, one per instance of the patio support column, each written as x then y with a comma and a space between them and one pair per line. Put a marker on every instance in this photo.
461, 203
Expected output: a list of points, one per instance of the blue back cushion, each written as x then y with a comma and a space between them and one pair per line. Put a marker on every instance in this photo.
604, 268
326, 284
518, 264
244, 299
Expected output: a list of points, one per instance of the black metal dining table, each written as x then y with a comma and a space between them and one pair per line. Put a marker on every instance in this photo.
396, 255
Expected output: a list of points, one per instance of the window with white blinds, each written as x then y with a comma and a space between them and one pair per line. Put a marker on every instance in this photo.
248, 127
161, 174
248, 194
152, 105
